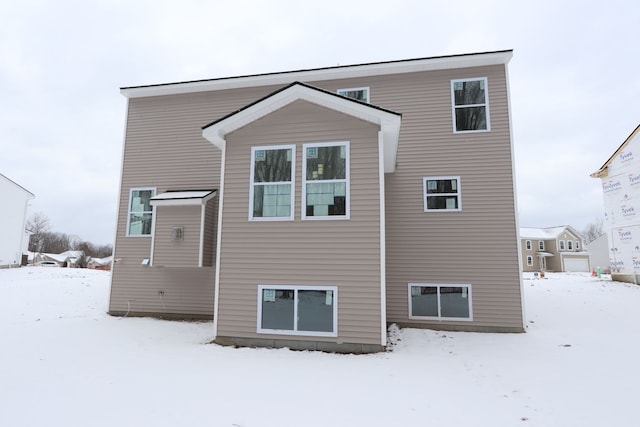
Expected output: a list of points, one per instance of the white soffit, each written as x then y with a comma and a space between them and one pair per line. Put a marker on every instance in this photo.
389, 122
182, 198
320, 74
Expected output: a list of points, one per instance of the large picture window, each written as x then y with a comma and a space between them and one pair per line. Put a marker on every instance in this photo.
298, 310
441, 302
442, 193
139, 218
272, 183
325, 187
470, 105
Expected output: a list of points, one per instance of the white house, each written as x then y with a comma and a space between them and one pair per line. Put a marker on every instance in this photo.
13, 216
620, 176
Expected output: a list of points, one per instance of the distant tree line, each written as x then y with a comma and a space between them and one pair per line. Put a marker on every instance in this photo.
43, 240
593, 230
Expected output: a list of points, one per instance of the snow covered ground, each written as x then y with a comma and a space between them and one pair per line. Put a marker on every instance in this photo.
64, 362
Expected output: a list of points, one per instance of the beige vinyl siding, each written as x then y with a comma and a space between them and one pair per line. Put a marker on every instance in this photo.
177, 253
164, 148
478, 246
342, 253
209, 246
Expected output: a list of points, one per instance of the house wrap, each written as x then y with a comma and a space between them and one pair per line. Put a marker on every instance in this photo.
620, 177
312, 208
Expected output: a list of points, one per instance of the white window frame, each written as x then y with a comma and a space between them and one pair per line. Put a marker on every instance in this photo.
458, 194
366, 89
297, 288
485, 104
252, 184
561, 245
529, 260
569, 245
439, 317
577, 245
129, 211
347, 181
541, 245
528, 245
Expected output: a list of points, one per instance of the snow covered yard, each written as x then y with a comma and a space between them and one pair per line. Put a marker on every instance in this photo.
64, 362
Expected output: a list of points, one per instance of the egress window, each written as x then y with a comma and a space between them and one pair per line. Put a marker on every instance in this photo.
357, 93
140, 215
440, 302
325, 181
272, 183
298, 310
470, 105
442, 194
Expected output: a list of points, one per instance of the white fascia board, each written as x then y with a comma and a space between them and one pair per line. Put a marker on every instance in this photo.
388, 122
321, 74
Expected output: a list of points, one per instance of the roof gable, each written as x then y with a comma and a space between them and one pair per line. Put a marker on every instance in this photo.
29, 193
388, 121
600, 173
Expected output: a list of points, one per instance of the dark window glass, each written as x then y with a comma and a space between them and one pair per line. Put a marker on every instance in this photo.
315, 310
277, 309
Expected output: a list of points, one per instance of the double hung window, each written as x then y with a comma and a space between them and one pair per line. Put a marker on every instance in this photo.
325, 181
440, 302
139, 218
562, 245
272, 183
528, 245
569, 245
541, 245
442, 193
529, 260
470, 105
298, 310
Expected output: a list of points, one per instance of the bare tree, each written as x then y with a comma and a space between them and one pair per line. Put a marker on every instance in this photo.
37, 225
593, 230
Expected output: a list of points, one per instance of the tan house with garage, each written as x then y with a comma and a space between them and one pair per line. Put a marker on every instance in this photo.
558, 249
311, 208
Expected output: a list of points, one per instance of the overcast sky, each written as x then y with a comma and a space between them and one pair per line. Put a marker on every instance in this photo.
575, 82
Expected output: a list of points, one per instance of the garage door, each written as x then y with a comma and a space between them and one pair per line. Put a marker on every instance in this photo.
576, 264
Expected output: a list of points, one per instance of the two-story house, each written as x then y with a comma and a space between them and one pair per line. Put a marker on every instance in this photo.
620, 177
311, 208
553, 249
14, 239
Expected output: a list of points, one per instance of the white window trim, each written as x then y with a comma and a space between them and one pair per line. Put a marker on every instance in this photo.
528, 245
486, 104
439, 317
569, 245
541, 245
152, 211
577, 245
293, 182
296, 288
458, 193
561, 245
351, 89
529, 260
347, 180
